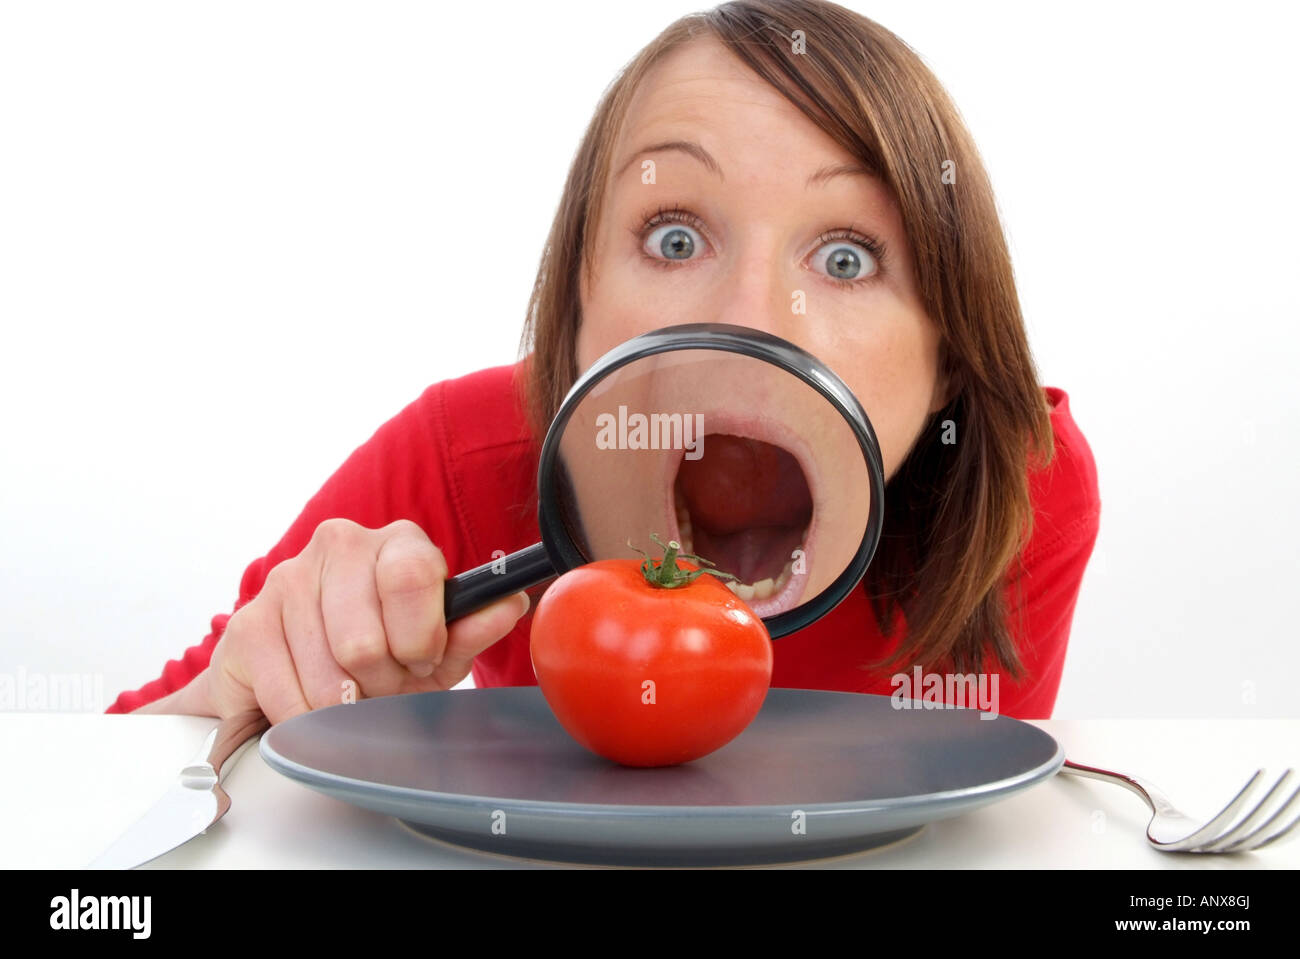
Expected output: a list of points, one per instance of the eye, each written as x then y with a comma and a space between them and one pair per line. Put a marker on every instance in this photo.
671, 236
849, 259
674, 242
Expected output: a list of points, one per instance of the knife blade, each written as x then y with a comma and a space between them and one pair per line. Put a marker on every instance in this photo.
192, 804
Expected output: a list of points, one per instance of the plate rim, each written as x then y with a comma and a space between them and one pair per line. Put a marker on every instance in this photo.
311, 776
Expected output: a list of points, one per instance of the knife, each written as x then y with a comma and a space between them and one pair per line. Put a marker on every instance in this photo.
193, 804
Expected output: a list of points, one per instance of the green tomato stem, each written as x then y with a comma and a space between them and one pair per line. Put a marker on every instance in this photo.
667, 574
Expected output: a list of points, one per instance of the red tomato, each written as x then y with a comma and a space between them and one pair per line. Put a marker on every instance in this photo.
647, 675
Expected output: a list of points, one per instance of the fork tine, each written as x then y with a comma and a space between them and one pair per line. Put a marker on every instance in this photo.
1215, 827
1282, 835
1275, 828
1239, 835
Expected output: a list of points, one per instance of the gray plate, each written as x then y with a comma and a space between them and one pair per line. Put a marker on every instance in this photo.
816, 774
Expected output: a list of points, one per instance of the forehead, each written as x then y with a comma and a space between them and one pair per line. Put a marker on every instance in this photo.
700, 79
701, 92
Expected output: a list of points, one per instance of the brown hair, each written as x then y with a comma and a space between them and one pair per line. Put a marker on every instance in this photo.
956, 516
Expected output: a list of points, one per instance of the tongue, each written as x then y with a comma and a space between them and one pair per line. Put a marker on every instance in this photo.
749, 505
750, 555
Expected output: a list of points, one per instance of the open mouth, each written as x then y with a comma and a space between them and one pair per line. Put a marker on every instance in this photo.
747, 507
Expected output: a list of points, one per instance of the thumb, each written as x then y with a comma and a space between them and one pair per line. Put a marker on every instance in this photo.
470, 635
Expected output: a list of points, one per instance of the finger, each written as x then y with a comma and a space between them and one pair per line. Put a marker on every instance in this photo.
266, 663
470, 635
322, 679
409, 574
354, 624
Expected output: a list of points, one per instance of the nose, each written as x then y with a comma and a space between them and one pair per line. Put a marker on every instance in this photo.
756, 289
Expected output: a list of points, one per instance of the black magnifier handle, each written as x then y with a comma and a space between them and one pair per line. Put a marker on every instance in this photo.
472, 590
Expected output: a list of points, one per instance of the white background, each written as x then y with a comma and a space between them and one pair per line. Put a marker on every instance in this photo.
236, 238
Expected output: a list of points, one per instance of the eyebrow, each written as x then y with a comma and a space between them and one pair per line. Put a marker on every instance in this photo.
693, 149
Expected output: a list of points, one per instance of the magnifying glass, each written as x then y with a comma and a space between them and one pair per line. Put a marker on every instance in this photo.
742, 447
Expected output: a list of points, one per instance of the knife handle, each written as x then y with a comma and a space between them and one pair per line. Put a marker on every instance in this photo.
221, 744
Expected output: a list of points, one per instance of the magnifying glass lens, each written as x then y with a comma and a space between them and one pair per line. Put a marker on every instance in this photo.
739, 460
747, 451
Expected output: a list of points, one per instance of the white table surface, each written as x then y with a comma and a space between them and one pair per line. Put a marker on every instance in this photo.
71, 783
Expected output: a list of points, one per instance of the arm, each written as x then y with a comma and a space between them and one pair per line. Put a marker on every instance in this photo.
190, 699
1051, 580
1048, 577
396, 474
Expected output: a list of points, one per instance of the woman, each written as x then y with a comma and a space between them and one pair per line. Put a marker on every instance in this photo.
759, 154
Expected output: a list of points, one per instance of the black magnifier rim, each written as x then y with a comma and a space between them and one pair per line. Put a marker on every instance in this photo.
564, 553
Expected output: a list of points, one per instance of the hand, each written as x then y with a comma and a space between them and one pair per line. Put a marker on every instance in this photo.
357, 606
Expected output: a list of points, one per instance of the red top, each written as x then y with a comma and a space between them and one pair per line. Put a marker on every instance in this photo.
460, 463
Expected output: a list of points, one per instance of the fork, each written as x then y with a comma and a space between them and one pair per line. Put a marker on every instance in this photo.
1172, 831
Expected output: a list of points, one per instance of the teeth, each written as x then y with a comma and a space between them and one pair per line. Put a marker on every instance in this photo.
684, 530
764, 588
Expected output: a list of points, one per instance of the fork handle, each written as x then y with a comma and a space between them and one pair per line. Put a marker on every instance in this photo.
1152, 796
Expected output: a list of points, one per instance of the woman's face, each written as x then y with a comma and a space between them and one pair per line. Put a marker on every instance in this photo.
771, 236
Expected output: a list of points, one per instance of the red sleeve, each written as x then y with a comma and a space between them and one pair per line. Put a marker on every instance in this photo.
1052, 579
1067, 519
396, 474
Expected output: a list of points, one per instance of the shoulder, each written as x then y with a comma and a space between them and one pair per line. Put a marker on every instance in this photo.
486, 467
479, 411
1065, 494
